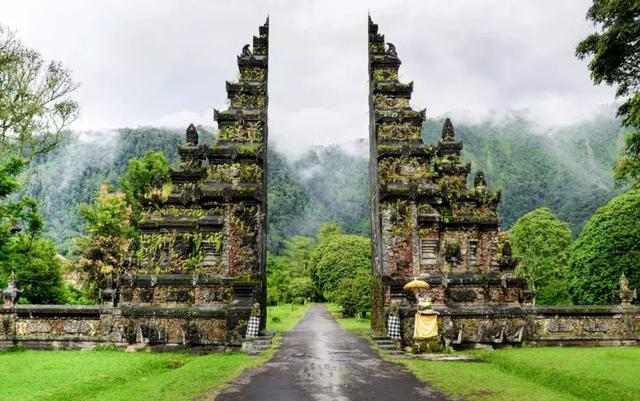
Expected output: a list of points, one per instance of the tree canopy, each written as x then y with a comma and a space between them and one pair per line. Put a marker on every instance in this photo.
542, 244
35, 102
342, 267
615, 60
608, 247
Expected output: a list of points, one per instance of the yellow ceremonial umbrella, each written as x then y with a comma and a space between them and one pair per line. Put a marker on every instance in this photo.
415, 283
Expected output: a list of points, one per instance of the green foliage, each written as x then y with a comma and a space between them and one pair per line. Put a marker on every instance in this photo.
608, 247
22, 249
35, 106
353, 294
38, 270
287, 201
615, 60
339, 258
150, 170
72, 174
334, 266
289, 275
568, 170
106, 244
542, 243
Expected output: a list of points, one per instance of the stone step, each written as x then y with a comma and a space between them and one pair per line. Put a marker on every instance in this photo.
382, 342
388, 347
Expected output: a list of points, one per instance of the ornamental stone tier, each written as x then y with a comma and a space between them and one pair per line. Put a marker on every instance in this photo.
427, 222
203, 233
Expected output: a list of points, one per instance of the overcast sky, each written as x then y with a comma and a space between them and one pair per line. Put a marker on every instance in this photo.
165, 62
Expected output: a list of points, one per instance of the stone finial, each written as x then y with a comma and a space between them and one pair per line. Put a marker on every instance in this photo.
192, 135
447, 130
626, 294
391, 50
394, 310
246, 51
11, 293
107, 293
479, 180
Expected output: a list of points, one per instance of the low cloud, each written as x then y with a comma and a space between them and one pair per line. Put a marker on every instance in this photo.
163, 62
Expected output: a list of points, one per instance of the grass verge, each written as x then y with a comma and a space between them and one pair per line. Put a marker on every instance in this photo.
116, 375
348, 323
282, 318
536, 374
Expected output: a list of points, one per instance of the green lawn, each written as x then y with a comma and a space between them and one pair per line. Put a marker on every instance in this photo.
116, 375
349, 323
282, 318
539, 374
533, 374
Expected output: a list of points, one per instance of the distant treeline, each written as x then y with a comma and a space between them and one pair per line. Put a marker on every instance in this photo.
568, 171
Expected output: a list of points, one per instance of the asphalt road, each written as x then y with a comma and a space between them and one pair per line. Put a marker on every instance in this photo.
320, 361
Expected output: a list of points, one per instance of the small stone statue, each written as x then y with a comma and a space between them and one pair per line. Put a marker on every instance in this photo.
246, 51
255, 310
11, 293
479, 180
626, 294
391, 50
424, 302
394, 310
447, 130
192, 135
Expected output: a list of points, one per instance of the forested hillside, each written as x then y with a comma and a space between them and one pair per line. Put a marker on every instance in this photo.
567, 170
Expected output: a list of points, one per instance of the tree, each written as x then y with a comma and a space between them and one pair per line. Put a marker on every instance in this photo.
35, 106
340, 257
608, 247
354, 294
109, 234
542, 244
615, 60
22, 250
152, 169
289, 275
38, 269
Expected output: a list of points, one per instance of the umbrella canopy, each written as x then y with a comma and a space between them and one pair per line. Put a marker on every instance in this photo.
415, 283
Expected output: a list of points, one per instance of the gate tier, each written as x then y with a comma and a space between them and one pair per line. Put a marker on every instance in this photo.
427, 222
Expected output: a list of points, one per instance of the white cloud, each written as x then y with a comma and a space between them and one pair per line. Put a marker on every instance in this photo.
164, 62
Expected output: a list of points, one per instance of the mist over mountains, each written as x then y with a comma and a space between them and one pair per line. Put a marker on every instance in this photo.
568, 169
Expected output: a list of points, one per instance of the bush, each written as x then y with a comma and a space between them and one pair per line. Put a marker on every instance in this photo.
542, 243
354, 295
340, 264
608, 247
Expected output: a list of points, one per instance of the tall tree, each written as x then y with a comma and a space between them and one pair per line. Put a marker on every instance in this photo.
35, 106
614, 50
22, 249
150, 170
608, 247
109, 234
542, 244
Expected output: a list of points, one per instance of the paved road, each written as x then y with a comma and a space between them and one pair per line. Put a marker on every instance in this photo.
320, 361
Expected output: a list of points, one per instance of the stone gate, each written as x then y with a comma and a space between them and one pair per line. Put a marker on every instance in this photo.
199, 266
430, 221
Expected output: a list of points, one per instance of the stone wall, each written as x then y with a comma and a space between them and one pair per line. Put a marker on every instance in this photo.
196, 274
85, 327
500, 326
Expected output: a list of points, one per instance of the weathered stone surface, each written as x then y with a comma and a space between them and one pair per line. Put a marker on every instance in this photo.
427, 222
